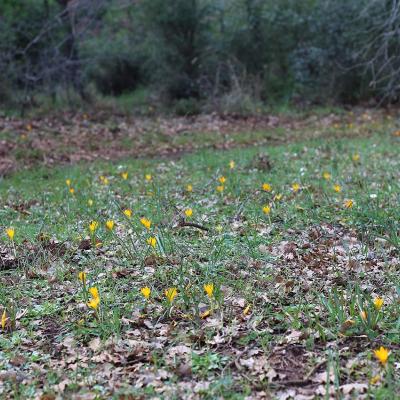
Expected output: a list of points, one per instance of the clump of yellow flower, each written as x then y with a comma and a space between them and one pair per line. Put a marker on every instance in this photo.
90, 202
278, 197
72, 190
170, 294
145, 222
266, 187
189, 188
209, 289
148, 177
10, 232
348, 203
356, 157
146, 291
95, 300
337, 188
378, 303
68, 182
220, 188
152, 241
128, 213
93, 226
326, 176
221, 180
382, 355
231, 164
188, 212
110, 224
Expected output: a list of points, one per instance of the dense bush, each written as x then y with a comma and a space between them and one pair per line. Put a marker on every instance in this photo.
324, 63
212, 52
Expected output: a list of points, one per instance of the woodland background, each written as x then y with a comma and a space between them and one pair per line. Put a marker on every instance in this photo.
193, 56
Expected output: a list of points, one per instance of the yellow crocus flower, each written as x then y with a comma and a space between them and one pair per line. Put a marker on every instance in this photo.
295, 187
326, 176
152, 241
94, 291
378, 303
209, 289
110, 224
3, 320
93, 226
348, 203
128, 213
145, 222
266, 209
170, 294
337, 188
10, 232
104, 180
82, 277
146, 291
95, 301
382, 355
266, 187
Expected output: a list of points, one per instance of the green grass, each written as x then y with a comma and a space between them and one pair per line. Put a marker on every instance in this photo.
289, 287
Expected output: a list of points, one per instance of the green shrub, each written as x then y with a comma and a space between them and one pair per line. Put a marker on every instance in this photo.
186, 107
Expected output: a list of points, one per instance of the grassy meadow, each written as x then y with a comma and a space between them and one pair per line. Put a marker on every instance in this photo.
264, 272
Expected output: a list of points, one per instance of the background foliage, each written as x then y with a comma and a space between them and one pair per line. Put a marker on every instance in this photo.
200, 54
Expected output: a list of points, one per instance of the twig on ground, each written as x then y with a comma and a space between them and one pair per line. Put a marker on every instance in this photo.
182, 223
